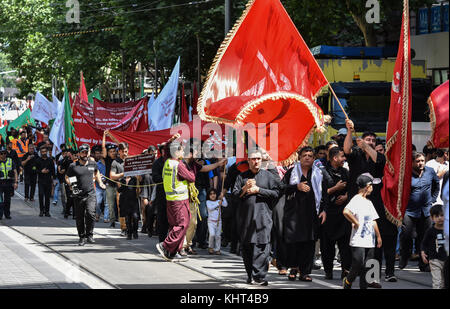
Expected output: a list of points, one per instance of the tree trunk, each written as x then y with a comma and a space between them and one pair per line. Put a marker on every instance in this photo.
368, 31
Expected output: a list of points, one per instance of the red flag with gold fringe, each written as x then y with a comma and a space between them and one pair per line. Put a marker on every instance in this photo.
438, 103
265, 74
397, 171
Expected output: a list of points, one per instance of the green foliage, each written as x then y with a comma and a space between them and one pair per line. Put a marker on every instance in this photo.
147, 29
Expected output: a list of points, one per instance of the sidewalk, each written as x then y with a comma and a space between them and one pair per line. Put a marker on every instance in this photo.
116, 262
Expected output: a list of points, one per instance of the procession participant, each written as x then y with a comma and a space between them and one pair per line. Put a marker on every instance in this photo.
176, 177
363, 158
68, 158
336, 230
440, 167
99, 192
11, 153
257, 189
109, 153
304, 212
8, 183
30, 172
84, 170
46, 171
160, 202
148, 195
116, 174
198, 166
214, 220
424, 192
129, 204
365, 233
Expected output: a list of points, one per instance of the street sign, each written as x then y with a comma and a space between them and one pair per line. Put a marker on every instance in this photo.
138, 165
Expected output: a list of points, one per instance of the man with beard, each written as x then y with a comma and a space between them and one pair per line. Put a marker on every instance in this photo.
46, 171
363, 158
109, 153
336, 230
304, 212
257, 189
116, 174
80, 176
424, 192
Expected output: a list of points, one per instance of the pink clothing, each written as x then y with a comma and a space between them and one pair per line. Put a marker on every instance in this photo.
178, 216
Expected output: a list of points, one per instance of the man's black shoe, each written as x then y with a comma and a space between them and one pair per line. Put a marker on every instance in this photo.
41, 214
402, 264
164, 253
47, 214
91, 240
374, 285
249, 280
329, 276
262, 282
135, 235
82, 241
8, 217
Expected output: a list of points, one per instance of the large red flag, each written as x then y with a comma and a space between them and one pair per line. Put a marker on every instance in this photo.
438, 103
264, 74
82, 92
397, 171
184, 111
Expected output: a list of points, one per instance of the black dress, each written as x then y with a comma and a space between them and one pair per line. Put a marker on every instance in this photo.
128, 199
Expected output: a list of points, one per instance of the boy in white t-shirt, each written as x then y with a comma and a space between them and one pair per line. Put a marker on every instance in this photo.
214, 220
362, 214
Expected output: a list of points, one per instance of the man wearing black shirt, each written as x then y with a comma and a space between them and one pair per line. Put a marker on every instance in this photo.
8, 182
364, 159
11, 153
46, 171
336, 228
162, 224
80, 176
30, 172
63, 166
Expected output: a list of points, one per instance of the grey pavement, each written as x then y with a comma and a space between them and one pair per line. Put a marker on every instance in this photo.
44, 253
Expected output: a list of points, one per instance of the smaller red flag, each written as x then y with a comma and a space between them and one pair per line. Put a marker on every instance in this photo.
82, 92
438, 103
184, 112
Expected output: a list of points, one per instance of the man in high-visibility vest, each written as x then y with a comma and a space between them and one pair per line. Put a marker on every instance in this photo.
22, 144
8, 183
176, 177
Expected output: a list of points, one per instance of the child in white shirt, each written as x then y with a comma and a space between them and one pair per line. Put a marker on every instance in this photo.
214, 220
362, 214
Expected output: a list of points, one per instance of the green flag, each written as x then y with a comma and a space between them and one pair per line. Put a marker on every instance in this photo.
68, 121
94, 94
23, 119
3, 133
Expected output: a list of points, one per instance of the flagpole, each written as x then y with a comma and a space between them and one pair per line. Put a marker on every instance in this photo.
340, 105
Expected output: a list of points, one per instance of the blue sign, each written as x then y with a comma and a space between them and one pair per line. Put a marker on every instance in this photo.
445, 17
435, 19
423, 20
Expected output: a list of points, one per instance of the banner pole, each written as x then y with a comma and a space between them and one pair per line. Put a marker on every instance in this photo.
340, 105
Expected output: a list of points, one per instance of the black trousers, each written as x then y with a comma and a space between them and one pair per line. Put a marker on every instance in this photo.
132, 221
162, 223
6, 191
69, 202
45, 193
256, 260
328, 251
201, 231
389, 243
150, 217
301, 255
360, 256
30, 185
85, 214
413, 228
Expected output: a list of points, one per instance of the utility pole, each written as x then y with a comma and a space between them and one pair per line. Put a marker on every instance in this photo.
227, 16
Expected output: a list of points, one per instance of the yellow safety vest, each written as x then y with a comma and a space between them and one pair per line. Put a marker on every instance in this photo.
175, 190
5, 168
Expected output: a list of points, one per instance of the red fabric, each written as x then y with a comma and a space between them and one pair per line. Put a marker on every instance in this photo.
439, 99
82, 92
178, 217
265, 60
397, 182
184, 111
194, 100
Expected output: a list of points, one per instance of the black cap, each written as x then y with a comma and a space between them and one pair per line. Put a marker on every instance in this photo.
84, 147
110, 146
366, 179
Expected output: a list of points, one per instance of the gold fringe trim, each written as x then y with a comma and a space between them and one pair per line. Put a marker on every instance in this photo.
432, 120
394, 220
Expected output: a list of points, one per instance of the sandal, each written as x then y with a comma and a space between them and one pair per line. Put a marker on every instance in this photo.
305, 278
292, 274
